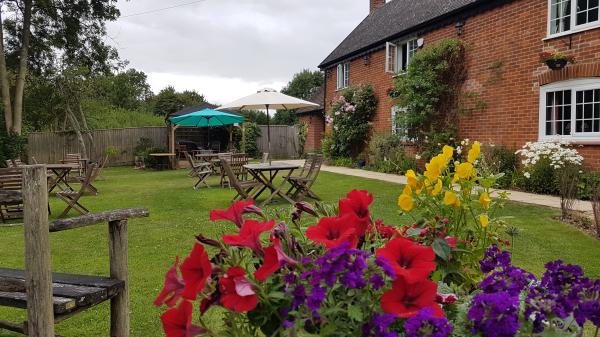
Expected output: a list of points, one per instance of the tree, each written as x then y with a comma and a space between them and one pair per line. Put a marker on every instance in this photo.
46, 35
127, 90
303, 84
169, 100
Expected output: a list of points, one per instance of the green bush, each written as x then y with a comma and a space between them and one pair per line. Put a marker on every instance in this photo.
327, 146
344, 162
587, 181
499, 159
12, 146
250, 146
387, 155
150, 161
543, 179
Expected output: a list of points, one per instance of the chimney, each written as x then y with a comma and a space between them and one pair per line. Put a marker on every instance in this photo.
376, 4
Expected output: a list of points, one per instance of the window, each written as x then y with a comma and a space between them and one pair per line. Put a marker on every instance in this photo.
572, 15
343, 75
398, 56
571, 110
397, 127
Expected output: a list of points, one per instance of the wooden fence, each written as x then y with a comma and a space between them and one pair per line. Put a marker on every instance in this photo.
285, 142
50, 147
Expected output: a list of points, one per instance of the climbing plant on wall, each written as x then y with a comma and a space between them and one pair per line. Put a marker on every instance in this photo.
351, 116
430, 90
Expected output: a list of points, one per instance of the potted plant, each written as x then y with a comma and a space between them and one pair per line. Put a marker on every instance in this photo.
556, 60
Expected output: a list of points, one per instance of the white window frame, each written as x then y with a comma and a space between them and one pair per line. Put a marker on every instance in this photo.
394, 55
574, 86
343, 75
396, 110
574, 28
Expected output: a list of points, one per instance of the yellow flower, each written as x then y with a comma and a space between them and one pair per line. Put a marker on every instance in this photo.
412, 178
465, 170
451, 199
434, 168
484, 220
485, 200
407, 190
437, 189
474, 152
454, 179
448, 152
406, 202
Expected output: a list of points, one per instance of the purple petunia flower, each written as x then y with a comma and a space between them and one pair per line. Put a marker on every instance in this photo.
383, 263
424, 324
510, 279
377, 281
379, 326
494, 258
494, 315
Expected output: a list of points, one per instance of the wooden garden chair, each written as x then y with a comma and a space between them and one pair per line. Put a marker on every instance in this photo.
11, 206
304, 171
72, 197
14, 163
243, 187
95, 174
50, 297
199, 170
227, 157
74, 160
194, 166
302, 185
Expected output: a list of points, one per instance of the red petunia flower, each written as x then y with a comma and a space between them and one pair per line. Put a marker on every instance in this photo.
358, 202
235, 212
333, 231
249, 235
406, 300
236, 291
384, 231
196, 269
274, 258
446, 298
172, 289
410, 260
177, 322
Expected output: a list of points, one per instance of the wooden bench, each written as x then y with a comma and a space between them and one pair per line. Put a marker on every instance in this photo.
53, 297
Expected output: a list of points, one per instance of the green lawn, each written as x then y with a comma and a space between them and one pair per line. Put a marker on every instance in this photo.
177, 212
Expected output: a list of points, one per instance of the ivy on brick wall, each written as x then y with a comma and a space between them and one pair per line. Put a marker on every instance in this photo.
351, 115
430, 91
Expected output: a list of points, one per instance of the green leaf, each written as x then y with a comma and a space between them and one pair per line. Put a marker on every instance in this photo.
278, 295
355, 313
441, 248
413, 232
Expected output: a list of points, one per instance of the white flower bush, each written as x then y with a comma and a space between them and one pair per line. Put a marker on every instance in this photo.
558, 153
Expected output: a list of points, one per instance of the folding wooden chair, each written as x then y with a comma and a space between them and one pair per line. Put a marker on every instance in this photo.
72, 197
227, 157
243, 187
11, 205
301, 185
304, 172
74, 160
199, 170
90, 188
194, 166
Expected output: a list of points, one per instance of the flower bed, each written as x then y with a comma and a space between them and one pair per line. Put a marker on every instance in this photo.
345, 274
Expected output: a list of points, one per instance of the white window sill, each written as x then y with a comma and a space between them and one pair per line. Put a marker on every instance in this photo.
570, 32
577, 140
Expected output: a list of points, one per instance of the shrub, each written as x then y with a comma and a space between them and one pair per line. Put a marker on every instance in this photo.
142, 144
500, 160
302, 134
150, 161
327, 145
351, 115
538, 178
387, 155
587, 182
344, 162
249, 145
12, 146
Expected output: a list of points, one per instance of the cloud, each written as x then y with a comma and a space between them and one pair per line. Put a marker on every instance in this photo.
234, 46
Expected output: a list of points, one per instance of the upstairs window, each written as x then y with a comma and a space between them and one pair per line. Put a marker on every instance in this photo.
398, 56
571, 110
343, 75
572, 15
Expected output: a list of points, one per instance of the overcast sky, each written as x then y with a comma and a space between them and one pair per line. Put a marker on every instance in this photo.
226, 49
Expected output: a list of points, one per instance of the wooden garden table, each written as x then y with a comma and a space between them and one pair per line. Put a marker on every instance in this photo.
168, 157
62, 172
259, 172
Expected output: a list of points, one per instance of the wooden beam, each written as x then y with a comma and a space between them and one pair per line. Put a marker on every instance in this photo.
118, 254
38, 276
98, 218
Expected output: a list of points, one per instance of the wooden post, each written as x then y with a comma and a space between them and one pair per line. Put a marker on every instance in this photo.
118, 251
38, 274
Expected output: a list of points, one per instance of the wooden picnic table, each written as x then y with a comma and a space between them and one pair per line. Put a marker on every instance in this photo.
207, 157
259, 172
61, 171
168, 157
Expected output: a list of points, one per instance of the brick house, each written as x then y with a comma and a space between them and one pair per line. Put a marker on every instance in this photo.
526, 101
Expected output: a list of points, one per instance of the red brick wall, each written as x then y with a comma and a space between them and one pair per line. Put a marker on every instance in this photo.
513, 35
316, 127
374, 4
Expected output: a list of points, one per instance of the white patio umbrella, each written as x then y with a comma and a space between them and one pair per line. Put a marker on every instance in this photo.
267, 99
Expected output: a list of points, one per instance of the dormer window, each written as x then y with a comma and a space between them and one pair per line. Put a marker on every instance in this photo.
565, 16
398, 56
